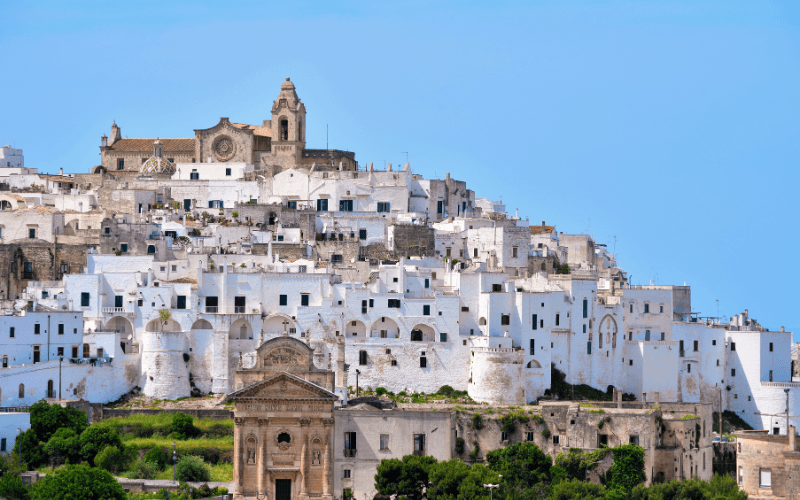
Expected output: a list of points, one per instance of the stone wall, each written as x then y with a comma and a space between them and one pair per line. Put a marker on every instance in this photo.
414, 240
46, 259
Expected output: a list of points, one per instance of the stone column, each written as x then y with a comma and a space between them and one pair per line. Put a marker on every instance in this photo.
327, 462
238, 464
262, 454
304, 423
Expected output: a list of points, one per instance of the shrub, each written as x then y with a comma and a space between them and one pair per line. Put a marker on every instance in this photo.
111, 459
95, 439
459, 445
156, 457
78, 481
183, 426
380, 391
192, 468
11, 487
142, 469
63, 447
218, 431
546, 433
445, 390
477, 421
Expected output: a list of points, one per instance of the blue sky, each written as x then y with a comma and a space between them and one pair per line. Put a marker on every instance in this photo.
671, 126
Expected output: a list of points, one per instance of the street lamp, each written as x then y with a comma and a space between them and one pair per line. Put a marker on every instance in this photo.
492, 487
174, 459
358, 372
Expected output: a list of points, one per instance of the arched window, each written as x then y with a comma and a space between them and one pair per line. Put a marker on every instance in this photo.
50, 391
600, 340
299, 130
151, 249
284, 437
482, 321
21, 391
284, 129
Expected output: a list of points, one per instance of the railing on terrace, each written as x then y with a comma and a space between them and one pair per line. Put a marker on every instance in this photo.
15, 409
114, 310
212, 309
781, 384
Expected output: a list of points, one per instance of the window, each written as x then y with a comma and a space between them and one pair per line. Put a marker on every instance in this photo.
770, 347
503, 436
194, 175
733, 372
528, 436
37, 328
713, 342
533, 347
585, 308
741, 476
584, 328
74, 351
345, 472
505, 319
680, 346
84, 299
345, 205
60, 351
31, 233
630, 362
588, 348
426, 310
5, 361
534, 321
646, 308
419, 444
362, 358
696, 345
384, 206
688, 368
227, 171
765, 478
21, 391
442, 337
123, 247
514, 252
336, 258
496, 287
395, 303
602, 439
439, 207
3, 444
555, 439
630, 309
733, 346
647, 335
394, 362
181, 302
662, 335
633, 439
362, 234
423, 362
11, 332
120, 164
770, 375
558, 319
350, 444
211, 304
384, 441
717, 362
304, 299
61, 328
475, 252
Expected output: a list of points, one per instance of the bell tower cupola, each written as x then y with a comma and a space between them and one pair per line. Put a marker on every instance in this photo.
288, 121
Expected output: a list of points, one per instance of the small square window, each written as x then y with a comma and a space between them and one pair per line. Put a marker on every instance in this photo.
503, 436
528, 436
345, 472
555, 439
384, 441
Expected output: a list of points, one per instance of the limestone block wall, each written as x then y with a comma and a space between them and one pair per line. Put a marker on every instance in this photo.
496, 375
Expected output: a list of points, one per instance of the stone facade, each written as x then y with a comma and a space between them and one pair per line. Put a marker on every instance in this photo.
283, 425
768, 466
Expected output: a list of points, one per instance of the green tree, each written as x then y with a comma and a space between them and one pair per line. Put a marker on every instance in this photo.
183, 426
157, 457
94, 439
405, 478
719, 488
113, 459
192, 468
47, 419
453, 480
573, 489
63, 447
522, 464
142, 469
78, 482
32, 449
11, 487
628, 468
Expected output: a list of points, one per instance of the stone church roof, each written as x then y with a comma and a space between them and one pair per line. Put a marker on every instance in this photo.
146, 145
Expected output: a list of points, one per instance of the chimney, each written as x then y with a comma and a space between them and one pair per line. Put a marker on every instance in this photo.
542, 225
389, 168
792, 439
657, 397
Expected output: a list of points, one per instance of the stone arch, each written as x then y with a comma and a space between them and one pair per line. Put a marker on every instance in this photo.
159, 325
355, 328
482, 321
240, 330
277, 324
120, 325
151, 249
423, 333
533, 364
283, 128
385, 328
202, 324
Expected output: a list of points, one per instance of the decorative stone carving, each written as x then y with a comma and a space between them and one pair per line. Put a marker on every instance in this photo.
317, 460
263, 422
305, 421
223, 148
283, 356
238, 420
327, 421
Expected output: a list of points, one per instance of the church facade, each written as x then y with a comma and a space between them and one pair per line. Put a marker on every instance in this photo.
277, 144
284, 425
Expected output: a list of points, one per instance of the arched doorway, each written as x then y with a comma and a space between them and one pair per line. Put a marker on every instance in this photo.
385, 328
423, 333
356, 329
151, 249
240, 330
119, 325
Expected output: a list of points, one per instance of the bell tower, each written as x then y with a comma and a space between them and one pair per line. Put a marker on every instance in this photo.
288, 122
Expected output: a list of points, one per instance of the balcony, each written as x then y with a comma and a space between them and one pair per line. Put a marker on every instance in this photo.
112, 310
350, 453
240, 309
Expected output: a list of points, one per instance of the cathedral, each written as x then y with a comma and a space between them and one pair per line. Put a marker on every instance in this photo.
276, 145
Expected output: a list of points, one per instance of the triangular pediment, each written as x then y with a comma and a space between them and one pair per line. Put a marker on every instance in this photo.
283, 386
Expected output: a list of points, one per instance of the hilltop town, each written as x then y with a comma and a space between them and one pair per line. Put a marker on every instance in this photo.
239, 263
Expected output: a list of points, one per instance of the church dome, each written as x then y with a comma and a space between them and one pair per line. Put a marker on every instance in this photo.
157, 164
